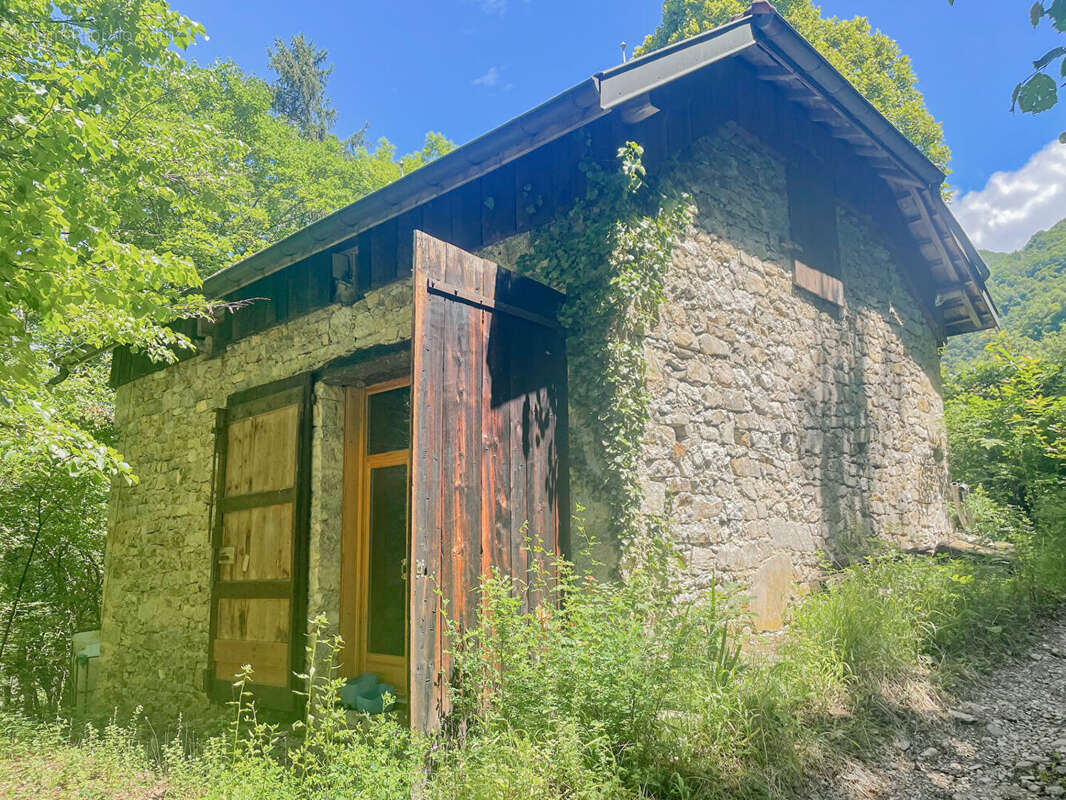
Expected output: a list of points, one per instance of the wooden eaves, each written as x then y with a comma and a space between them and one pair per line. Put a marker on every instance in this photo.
780, 55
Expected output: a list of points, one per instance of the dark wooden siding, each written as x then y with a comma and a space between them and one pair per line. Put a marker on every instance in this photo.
488, 448
531, 190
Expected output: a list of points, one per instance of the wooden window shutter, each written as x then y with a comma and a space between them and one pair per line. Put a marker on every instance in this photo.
488, 448
259, 536
813, 222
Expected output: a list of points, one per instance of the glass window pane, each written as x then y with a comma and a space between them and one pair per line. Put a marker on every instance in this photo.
388, 421
387, 601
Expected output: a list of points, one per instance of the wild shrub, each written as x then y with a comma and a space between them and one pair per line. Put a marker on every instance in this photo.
321, 755
640, 681
596, 690
896, 612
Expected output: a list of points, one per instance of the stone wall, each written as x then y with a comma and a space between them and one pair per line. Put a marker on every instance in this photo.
783, 426
156, 606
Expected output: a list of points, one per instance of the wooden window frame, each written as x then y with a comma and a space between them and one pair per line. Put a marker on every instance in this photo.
355, 529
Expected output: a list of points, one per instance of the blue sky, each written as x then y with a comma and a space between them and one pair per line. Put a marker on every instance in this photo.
464, 66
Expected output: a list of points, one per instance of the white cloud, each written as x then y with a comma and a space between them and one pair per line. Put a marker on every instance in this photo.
489, 79
1015, 205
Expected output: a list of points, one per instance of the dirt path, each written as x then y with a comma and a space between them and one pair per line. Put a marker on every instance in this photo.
1008, 740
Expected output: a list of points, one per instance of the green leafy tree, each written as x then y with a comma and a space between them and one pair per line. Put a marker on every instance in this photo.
1039, 92
436, 145
300, 90
52, 530
125, 174
868, 58
1006, 418
257, 179
73, 77
1029, 286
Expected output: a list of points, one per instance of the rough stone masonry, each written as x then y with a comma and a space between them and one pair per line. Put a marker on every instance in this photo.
157, 571
783, 426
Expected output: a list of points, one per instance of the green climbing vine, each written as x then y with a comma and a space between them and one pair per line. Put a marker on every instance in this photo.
610, 254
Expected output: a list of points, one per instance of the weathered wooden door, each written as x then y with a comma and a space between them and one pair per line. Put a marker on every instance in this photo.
488, 448
259, 586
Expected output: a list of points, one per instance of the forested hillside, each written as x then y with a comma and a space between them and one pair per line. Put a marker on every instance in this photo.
1029, 286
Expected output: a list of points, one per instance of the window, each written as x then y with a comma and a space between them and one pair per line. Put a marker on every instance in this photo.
813, 218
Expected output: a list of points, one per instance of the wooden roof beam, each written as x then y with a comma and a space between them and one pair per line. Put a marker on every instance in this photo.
919, 202
963, 297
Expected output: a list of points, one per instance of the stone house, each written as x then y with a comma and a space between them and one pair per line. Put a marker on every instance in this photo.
388, 416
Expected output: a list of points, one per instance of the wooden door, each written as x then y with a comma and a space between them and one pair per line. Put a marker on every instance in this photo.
375, 537
488, 446
259, 588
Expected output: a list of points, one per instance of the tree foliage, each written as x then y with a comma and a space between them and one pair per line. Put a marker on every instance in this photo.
75, 77
1029, 287
1040, 91
1005, 394
1006, 418
259, 179
52, 528
868, 58
300, 90
125, 174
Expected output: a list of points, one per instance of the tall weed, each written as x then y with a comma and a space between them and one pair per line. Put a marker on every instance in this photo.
636, 680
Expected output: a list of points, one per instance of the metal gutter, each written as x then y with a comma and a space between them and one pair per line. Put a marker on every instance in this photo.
628, 81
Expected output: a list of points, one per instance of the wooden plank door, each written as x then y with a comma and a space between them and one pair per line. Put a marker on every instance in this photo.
488, 446
260, 541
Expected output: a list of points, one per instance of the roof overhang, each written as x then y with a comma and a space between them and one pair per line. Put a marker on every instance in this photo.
778, 54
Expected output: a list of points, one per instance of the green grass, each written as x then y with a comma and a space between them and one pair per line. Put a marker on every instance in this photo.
617, 691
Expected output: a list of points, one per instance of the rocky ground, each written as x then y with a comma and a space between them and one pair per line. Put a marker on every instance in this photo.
1004, 738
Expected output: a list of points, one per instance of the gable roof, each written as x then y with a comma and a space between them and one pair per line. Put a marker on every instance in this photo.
780, 55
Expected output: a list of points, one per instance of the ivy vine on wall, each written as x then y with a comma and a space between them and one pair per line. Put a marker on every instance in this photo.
610, 254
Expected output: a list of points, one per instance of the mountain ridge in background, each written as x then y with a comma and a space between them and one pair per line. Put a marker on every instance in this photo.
1029, 287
